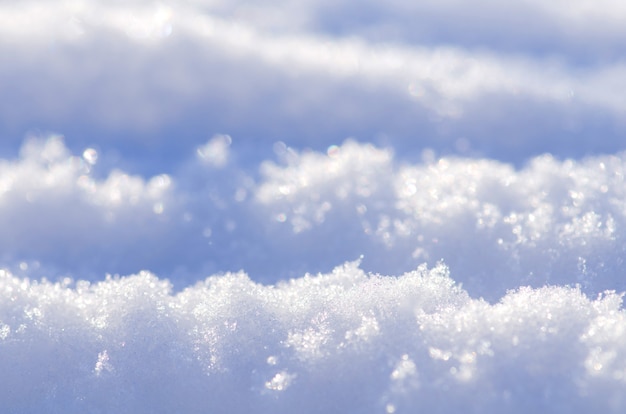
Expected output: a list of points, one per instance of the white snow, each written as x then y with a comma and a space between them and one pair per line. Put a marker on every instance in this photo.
496, 227
333, 207
344, 341
132, 76
339, 342
215, 152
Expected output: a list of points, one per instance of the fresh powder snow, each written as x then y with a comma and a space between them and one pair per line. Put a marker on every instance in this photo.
312, 207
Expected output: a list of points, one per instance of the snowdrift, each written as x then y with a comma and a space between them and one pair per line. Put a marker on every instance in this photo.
346, 341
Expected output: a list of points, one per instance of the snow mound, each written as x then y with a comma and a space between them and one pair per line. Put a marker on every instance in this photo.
346, 341
497, 228
551, 222
57, 211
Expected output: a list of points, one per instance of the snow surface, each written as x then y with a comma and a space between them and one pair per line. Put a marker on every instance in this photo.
340, 342
373, 207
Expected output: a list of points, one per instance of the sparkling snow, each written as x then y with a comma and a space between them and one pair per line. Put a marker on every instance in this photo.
345, 341
312, 207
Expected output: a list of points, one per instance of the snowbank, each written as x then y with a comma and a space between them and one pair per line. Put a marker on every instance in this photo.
496, 227
481, 80
212, 138
339, 342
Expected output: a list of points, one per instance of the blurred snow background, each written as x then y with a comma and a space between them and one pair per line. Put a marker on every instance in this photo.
259, 144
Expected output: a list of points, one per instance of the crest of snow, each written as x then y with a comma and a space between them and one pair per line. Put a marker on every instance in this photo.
282, 69
310, 183
557, 222
55, 209
345, 341
497, 227
47, 168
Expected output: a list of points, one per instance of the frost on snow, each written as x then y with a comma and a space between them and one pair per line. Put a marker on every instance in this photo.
346, 341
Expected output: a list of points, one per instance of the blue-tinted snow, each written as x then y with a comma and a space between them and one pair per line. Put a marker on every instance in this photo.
116, 77
479, 144
340, 342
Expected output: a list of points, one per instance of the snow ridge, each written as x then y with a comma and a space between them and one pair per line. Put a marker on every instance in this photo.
346, 341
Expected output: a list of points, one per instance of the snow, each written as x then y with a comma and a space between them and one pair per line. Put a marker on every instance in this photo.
308, 206
496, 227
346, 341
528, 319
470, 80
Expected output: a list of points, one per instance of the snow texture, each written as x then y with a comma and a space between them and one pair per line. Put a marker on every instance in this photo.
497, 228
340, 342
482, 79
344, 341
217, 206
